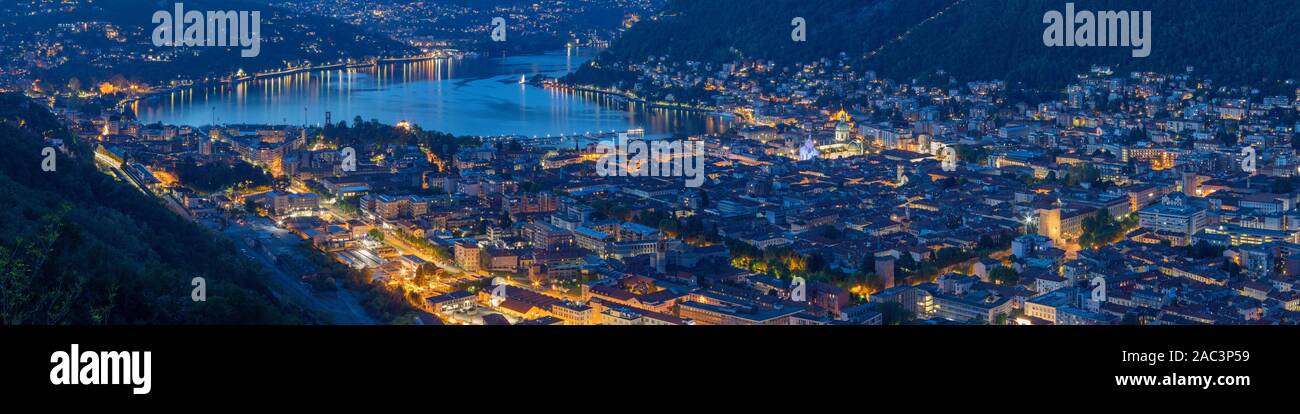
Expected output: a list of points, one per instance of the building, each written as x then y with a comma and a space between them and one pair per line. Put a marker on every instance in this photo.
1238, 235
284, 204
606, 313
546, 236
1062, 224
458, 301
915, 301
573, 313
1173, 215
468, 256
726, 314
1029, 244
529, 204
952, 297
966, 299
499, 260
1045, 306
394, 207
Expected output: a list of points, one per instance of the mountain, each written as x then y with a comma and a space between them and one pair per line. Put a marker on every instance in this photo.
94, 41
723, 30
1234, 43
78, 247
533, 26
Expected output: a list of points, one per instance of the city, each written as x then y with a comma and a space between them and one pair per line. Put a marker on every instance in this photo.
831, 193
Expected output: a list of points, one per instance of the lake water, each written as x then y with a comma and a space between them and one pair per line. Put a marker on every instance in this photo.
471, 96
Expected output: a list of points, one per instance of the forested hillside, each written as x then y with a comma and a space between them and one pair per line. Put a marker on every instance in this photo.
724, 30
78, 247
1233, 43
112, 52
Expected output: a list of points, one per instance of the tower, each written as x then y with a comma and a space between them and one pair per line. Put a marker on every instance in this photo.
661, 256
843, 125
842, 132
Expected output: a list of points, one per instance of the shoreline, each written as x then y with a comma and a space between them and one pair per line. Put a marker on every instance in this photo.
232, 81
543, 81
643, 101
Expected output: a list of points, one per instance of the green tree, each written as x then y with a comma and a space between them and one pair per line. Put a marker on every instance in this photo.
892, 313
1004, 275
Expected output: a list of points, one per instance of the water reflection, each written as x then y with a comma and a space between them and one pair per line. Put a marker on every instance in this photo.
479, 96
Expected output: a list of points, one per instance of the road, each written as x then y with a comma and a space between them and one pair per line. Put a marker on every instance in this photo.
340, 307
391, 239
167, 199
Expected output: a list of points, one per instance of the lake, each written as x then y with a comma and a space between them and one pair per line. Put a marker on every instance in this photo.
467, 96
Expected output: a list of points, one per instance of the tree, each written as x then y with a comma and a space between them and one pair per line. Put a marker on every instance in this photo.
868, 263
1225, 138
440, 253
83, 248
214, 177
893, 313
1101, 229
971, 154
23, 299
1135, 136
814, 263
948, 256
906, 266
1082, 173
1004, 275
668, 225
